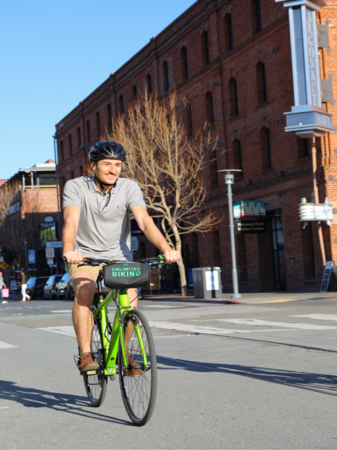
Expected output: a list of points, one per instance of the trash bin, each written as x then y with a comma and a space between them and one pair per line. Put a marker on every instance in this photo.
207, 282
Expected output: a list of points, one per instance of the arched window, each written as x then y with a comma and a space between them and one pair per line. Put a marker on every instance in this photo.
148, 84
265, 148
70, 145
209, 109
98, 125
237, 156
108, 109
88, 131
303, 147
184, 63
228, 33
188, 119
121, 104
308, 252
233, 98
166, 76
79, 140
205, 48
261, 82
61, 156
134, 93
257, 24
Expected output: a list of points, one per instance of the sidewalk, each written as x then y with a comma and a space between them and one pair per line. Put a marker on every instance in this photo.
257, 298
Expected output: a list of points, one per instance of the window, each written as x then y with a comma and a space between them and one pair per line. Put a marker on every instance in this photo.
265, 148
121, 104
303, 147
62, 151
72, 174
213, 167
88, 131
81, 171
257, 24
241, 257
205, 48
195, 250
70, 145
79, 141
188, 119
216, 249
184, 63
261, 82
308, 252
228, 33
149, 84
108, 109
98, 125
237, 156
166, 76
233, 97
134, 93
209, 109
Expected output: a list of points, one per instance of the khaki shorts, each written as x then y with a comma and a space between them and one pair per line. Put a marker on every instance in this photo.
73, 269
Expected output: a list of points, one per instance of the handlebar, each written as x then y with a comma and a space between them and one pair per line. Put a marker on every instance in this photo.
154, 261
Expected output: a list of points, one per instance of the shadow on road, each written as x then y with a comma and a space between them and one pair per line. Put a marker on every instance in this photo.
297, 379
66, 403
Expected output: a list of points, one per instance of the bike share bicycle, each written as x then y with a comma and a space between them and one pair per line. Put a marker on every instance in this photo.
124, 347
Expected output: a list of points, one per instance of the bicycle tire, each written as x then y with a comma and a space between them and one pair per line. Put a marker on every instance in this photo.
139, 393
96, 385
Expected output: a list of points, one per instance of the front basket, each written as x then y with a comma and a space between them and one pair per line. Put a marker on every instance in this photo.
126, 275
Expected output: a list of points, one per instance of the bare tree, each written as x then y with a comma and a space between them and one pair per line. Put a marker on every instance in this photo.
168, 164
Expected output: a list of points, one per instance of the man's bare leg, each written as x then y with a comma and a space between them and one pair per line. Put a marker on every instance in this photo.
133, 297
83, 321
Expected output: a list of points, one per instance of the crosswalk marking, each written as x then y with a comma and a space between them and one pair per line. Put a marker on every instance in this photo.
62, 311
319, 316
256, 322
65, 330
5, 345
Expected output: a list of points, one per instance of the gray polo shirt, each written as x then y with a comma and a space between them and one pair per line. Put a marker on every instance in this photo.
104, 226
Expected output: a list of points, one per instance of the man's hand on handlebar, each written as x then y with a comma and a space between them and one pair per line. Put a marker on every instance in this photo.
171, 256
73, 257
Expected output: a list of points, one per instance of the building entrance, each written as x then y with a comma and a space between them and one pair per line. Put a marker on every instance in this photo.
271, 254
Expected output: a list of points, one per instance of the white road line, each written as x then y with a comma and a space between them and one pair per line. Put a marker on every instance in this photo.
4, 407
256, 322
62, 311
5, 345
158, 306
65, 331
319, 316
193, 328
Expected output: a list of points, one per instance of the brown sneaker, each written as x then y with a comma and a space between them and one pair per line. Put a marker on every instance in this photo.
132, 372
87, 362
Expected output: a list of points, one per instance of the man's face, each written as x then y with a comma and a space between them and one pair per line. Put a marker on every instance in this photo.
107, 170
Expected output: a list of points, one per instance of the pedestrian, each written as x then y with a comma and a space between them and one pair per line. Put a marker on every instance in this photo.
2, 285
23, 287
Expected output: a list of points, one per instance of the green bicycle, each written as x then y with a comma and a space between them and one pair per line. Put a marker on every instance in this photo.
126, 345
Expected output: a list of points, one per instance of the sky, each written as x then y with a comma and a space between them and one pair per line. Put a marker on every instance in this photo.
54, 54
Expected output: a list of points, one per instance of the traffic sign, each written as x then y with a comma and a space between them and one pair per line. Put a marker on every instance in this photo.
50, 261
4, 265
50, 252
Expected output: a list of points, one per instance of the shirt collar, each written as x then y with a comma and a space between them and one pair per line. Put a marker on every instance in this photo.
93, 188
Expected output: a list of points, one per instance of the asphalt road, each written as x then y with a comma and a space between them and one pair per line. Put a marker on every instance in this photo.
231, 376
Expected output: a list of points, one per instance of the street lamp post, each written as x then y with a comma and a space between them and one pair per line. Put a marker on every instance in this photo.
26, 260
229, 179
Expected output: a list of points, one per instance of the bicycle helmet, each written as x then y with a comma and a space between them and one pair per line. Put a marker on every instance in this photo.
107, 149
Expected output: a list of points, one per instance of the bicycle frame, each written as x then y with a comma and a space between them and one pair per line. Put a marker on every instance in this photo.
121, 299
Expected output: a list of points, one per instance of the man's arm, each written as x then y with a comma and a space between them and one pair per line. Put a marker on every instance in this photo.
148, 227
71, 216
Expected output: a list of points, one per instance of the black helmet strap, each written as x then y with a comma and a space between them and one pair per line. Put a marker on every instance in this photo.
104, 184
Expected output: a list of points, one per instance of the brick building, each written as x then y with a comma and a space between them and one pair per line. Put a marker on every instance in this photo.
230, 60
32, 218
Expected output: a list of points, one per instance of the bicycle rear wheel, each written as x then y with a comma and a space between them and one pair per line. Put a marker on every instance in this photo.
95, 385
138, 392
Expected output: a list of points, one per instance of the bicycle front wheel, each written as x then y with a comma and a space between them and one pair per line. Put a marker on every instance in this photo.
95, 385
138, 381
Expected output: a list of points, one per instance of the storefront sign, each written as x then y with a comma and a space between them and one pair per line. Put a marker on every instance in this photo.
250, 226
311, 212
54, 244
250, 208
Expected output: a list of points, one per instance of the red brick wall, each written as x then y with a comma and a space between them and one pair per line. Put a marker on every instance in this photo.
289, 178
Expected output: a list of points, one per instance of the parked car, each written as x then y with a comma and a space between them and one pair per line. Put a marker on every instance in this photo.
64, 288
35, 286
50, 287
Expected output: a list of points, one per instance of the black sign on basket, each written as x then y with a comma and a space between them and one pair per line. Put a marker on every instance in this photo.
250, 226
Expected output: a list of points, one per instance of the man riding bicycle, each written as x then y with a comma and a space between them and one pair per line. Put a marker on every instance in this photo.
96, 214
